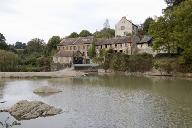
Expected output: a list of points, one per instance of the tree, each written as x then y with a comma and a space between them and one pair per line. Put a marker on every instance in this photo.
84, 33
8, 61
73, 35
183, 28
173, 2
52, 44
3, 44
92, 51
105, 33
162, 32
146, 25
35, 46
20, 45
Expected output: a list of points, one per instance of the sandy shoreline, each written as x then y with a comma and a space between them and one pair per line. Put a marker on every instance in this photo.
59, 74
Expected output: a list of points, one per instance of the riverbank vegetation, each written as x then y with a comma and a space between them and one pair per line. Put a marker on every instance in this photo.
35, 56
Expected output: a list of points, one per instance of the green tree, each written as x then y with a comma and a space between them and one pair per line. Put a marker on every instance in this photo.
173, 2
8, 61
73, 35
3, 44
183, 28
52, 45
162, 32
92, 51
105, 33
146, 25
36, 46
85, 33
20, 45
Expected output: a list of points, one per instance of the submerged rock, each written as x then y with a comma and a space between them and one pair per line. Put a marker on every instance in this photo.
46, 89
25, 110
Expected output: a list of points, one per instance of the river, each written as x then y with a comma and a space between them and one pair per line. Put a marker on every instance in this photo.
106, 102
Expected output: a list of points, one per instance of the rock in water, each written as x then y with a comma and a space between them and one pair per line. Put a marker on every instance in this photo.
25, 110
46, 90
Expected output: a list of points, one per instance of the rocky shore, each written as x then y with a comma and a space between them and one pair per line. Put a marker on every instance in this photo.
59, 74
26, 110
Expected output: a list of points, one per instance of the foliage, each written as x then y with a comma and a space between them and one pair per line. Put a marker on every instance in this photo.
92, 51
85, 33
162, 32
73, 35
20, 45
146, 25
3, 44
35, 46
173, 2
174, 30
131, 63
105, 33
52, 45
8, 61
167, 65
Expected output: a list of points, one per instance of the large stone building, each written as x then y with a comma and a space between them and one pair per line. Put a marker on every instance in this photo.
71, 48
125, 27
75, 50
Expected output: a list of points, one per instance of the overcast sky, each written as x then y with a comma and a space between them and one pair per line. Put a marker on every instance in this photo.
22, 20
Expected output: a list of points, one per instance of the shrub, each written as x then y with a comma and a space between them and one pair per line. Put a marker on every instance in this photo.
8, 61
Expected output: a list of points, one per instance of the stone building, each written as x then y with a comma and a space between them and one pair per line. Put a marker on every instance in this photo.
125, 27
126, 44
70, 48
75, 50
145, 45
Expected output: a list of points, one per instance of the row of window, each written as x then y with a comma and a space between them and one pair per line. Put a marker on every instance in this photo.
73, 47
86, 47
110, 46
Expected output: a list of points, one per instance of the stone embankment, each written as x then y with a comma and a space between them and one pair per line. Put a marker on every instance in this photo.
26, 110
59, 74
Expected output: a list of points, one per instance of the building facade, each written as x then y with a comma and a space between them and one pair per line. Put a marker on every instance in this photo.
71, 48
125, 27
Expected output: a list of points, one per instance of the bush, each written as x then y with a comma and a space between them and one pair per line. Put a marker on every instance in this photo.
167, 65
8, 61
140, 63
131, 63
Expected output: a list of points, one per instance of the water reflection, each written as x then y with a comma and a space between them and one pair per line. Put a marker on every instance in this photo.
108, 101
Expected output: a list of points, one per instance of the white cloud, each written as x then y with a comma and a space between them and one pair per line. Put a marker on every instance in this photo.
27, 19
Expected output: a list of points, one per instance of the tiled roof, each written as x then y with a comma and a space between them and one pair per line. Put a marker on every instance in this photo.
62, 53
146, 39
76, 41
118, 40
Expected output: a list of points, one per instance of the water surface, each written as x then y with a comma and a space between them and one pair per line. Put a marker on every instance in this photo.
106, 102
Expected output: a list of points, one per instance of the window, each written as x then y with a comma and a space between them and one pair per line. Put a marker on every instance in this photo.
74, 47
101, 46
71, 47
106, 46
115, 45
122, 27
121, 45
121, 51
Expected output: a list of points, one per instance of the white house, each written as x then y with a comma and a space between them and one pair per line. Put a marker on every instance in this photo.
125, 27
